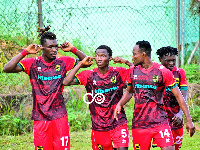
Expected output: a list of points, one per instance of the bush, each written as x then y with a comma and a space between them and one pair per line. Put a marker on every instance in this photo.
78, 112
192, 73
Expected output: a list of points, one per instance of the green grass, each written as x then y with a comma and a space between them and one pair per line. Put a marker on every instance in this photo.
80, 140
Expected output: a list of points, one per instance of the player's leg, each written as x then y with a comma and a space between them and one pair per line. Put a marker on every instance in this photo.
101, 140
163, 137
178, 137
141, 139
61, 134
42, 132
120, 137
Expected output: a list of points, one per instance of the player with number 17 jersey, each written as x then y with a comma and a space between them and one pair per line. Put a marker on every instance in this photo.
46, 80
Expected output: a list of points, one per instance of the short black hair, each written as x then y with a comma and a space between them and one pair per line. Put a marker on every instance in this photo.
145, 46
167, 51
44, 34
105, 47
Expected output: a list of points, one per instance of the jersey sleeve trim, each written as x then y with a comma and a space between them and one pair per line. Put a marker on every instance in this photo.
184, 87
76, 62
172, 86
21, 66
77, 80
129, 84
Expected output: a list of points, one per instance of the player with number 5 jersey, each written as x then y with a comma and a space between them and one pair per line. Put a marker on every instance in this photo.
104, 86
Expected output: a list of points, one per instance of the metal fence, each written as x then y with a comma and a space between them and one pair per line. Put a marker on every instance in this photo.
116, 23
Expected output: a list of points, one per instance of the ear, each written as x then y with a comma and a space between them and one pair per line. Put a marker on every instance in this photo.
159, 59
144, 54
110, 58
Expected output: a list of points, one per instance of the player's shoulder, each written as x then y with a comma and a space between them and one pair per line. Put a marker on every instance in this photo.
30, 59
161, 67
117, 68
180, 70
65, 57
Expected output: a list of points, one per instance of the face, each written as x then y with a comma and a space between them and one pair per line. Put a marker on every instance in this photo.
102, 58
168, 61
138, 56
50, 49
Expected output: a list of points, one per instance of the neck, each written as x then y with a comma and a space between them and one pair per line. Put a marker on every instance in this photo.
103, 70
46, 59
148, 63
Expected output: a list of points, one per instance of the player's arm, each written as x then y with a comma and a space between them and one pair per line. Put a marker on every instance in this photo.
12, 67
125, 98
189, 124
69, 79
121, 60
67, 46
177, 119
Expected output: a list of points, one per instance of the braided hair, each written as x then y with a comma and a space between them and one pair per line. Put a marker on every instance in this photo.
167, 51
105, 47
44, 34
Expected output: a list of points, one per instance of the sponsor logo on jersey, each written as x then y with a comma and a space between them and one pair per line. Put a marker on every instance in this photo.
58, 67
161, 67
143, 86
155, 78
106, 90
135, 77
43, 78
39, 68
94, 82
39, 147
113, 79
100, 147
137, 146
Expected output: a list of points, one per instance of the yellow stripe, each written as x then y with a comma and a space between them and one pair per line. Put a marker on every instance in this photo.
183, 85
22, 65
78, 80
173, 84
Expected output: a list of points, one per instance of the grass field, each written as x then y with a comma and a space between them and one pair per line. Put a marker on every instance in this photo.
81, 141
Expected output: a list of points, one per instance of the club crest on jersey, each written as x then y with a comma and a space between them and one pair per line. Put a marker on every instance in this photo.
177, 80
100, 147
39, 147
137, 146
39, 68
57, 67
113, 79
155, 78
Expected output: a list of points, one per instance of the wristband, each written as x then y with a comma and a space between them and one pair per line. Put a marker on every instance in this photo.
74, 50
24, 53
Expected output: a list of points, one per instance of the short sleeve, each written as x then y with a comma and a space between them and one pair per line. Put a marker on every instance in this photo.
82, 77
129, 74
123, 73
25, 64
183, 80
70, 62
168, 79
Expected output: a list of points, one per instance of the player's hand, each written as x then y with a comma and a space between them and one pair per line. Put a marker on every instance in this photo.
66, 47
118, 60
177, 119
117, 111
33, 48
190, 127
87, 61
